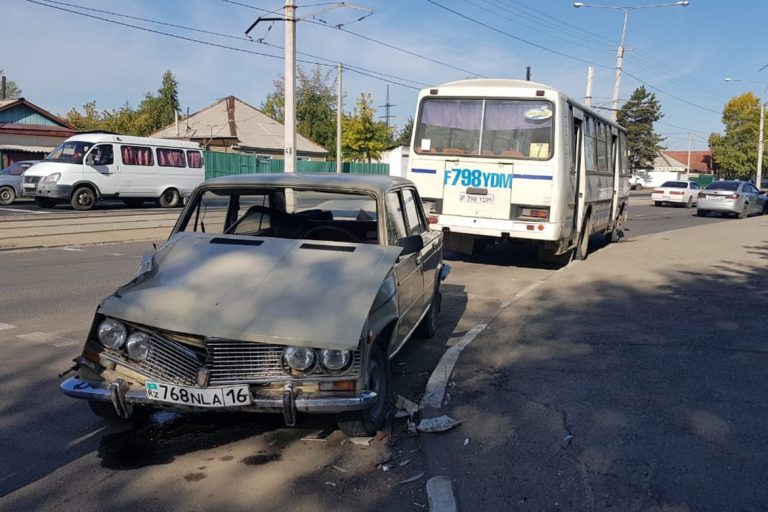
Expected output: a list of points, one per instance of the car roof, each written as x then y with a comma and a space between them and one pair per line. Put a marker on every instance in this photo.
375, 184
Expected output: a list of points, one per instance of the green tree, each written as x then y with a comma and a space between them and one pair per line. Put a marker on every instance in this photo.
12, 90
637, 115
404, 136
735, 152
161, 109
315, 106
363, 139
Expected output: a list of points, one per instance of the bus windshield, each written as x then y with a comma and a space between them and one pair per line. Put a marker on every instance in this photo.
71, 152
500, 128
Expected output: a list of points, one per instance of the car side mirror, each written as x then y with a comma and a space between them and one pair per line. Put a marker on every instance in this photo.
411, 244
89, 159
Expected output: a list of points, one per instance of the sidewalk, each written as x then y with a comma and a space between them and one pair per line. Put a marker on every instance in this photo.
634, 380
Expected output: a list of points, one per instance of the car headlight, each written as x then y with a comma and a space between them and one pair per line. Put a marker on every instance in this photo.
53, 178
138, 346
112, 333
335, 360
299, 358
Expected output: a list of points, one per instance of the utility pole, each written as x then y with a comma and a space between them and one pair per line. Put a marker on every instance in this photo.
386, 108
688, 167
590, 79
290, 86
527, 73
339, 118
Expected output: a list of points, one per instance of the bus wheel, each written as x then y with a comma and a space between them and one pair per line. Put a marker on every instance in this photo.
169, 198
583, 246
83, 198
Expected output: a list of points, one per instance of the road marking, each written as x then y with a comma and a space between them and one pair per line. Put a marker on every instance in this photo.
14, 210
70, 248
49, 339
440, 495
85, 437
438, 381
6, 326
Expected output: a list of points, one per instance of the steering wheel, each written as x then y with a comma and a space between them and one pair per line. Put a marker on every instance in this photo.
330, 233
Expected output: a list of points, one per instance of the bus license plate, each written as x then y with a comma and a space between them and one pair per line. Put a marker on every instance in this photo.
224, 396
475, 199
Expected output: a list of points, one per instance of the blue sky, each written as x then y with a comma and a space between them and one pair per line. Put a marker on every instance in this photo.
682, 54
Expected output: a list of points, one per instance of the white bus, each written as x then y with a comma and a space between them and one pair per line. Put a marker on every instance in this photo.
516, 160
92, 166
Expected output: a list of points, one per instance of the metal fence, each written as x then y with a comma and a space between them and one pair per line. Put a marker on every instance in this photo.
226, 164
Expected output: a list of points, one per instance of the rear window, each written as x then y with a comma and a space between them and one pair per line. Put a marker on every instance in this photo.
724, 185
675, 184
194, 159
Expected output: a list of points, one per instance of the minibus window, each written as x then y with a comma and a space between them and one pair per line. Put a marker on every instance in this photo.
136, 155
170, 158
194, 159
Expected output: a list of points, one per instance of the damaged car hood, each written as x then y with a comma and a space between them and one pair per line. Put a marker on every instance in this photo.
269, 290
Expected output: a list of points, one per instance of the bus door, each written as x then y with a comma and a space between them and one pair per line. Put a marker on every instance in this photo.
580, 177
477, 188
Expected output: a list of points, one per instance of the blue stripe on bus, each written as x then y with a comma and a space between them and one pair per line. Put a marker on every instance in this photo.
532, 177
425, 171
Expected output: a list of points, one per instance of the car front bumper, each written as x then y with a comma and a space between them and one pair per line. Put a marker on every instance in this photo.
288, 401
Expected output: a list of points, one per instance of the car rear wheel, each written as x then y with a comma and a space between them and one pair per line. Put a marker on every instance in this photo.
744, 213
657, 203
701, 213
169, 199
367, 422
428, 325
689, 203
7, 195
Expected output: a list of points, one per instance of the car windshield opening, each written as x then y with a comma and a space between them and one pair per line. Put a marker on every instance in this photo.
675, 184
70, 152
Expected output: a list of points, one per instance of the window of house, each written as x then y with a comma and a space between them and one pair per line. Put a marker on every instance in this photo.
136, 155
170, 158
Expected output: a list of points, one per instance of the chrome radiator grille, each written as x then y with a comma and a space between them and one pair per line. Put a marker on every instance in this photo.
31, 180
168, 361
237, 362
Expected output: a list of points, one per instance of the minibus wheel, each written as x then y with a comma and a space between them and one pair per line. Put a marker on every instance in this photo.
83, 198
169, 198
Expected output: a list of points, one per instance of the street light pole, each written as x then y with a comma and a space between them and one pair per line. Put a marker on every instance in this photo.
760, 141
620, 50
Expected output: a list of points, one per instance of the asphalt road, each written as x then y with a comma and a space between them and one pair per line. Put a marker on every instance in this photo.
56, 452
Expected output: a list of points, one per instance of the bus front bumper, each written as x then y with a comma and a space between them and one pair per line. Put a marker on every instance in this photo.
53, 190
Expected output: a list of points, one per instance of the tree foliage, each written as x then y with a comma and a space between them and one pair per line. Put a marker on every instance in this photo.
12, 91
637, 115
154, 112
363, 139
404, 136
735, 152
315, 106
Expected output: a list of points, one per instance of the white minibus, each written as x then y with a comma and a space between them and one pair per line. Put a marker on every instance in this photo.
513, 160
92, 166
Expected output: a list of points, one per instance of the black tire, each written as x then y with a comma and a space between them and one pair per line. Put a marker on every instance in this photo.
428, 325
44, 202
169, 198
367, 422
582, 248
7, 195
83, 198
701, 213
133, 202
689, 203
657, 203
638, 187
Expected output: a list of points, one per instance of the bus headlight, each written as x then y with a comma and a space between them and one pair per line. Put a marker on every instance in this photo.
52, 178
112, 333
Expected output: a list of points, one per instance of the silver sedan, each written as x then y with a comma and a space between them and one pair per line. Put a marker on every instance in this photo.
10, 181
731, 197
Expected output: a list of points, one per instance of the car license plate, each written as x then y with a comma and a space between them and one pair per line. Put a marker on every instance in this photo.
475, 199
665, 198
224, 396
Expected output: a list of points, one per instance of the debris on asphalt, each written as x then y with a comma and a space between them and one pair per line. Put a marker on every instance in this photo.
319, 435
412, 479
337, 468
404, 462
332, 484
420, 505
439, 424
466, 442
361, 441
567, 439
402, 404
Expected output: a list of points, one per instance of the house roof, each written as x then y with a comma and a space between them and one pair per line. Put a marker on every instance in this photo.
56, 123
701, 161
664, 161
232, 118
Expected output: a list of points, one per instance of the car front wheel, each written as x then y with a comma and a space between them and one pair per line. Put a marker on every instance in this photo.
367, 422
7, 195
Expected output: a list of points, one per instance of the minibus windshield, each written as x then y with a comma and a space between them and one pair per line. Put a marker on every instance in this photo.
70, 152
